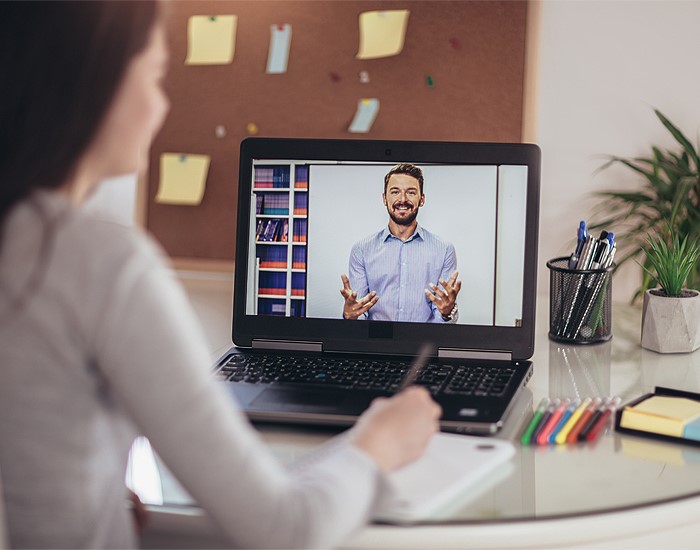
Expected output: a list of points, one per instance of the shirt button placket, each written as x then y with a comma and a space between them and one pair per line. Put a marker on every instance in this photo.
402, 283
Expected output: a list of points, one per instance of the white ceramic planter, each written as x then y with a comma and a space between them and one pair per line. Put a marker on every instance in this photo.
671, 325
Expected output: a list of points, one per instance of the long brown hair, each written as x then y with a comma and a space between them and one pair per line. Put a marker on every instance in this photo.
60, 66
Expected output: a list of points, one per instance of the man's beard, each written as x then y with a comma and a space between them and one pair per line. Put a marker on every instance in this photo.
408, 220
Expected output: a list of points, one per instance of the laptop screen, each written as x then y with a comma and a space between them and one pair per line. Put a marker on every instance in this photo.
414, 239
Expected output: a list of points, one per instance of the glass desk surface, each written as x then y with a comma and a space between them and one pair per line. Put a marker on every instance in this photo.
615, 472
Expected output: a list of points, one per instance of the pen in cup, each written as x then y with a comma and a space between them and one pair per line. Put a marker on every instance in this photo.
581, 237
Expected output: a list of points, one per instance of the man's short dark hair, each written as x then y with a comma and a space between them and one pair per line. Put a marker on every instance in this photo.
405, 168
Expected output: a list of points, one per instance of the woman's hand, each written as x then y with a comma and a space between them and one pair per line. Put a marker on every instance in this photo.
395, 431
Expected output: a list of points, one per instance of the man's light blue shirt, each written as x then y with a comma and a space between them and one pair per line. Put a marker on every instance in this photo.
399, 272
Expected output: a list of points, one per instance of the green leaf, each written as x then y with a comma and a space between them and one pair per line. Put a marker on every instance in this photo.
679, 137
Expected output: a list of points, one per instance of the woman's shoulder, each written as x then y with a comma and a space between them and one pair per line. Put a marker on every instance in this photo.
94, 233
77, 238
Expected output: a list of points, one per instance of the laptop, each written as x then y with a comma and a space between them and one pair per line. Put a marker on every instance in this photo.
314, 219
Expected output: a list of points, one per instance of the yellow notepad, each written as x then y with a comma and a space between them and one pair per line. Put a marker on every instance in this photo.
661, 414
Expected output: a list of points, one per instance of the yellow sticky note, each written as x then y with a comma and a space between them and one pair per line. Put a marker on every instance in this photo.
182, 178
661, 414
211, 39
382, 33
670, 407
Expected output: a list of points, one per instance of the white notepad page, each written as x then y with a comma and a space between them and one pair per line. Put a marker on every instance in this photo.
451, 466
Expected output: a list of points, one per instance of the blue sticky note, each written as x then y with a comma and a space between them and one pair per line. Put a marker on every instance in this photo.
367, 110
278, 54
692, 430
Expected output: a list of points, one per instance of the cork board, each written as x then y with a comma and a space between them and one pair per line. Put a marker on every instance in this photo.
473, 52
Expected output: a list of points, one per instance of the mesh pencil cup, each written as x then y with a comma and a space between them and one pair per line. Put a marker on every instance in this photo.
579, 303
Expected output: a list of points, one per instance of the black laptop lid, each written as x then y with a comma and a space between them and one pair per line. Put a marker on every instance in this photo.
304, 204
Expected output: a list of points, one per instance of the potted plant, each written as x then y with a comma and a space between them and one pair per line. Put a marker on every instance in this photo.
669, 194
671, 313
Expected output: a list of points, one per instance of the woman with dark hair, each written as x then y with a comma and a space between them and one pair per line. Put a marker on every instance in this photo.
97, 340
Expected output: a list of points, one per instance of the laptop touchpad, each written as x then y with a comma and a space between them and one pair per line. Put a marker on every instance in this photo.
287, 399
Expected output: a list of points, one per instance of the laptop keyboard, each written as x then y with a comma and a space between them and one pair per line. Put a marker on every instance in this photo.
364, 374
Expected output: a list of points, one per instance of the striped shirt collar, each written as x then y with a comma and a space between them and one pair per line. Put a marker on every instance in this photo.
418, 233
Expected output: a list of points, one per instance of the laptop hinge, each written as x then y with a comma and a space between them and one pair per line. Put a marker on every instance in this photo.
456, 353
287, 345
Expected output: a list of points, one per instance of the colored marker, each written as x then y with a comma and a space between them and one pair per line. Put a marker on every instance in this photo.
527, 434
543, 437
583, 420
600, 424
564, 419
583, 435
545, 418
564, 432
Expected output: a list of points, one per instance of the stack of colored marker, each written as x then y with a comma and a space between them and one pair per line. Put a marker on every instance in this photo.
560, 421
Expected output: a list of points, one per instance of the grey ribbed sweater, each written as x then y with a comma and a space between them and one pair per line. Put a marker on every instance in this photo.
105, 347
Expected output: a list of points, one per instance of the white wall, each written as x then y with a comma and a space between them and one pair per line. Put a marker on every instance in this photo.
603, 67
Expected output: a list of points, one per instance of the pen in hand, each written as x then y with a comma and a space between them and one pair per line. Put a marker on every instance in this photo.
416, 366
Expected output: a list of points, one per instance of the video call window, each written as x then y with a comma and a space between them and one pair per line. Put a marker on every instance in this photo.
306, 217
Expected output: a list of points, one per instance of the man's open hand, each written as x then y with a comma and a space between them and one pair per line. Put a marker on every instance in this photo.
353, 307
444, 298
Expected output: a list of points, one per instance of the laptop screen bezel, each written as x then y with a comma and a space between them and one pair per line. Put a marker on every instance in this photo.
395, 338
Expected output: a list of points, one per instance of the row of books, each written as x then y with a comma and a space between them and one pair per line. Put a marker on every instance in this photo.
272, 230
272, 256
276, 306
300, 229
277, 230
275, 257
276, 291
276, 177
271, 306
298, 284
298, 257
273, 283
301, 177
276, 204
301, 204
